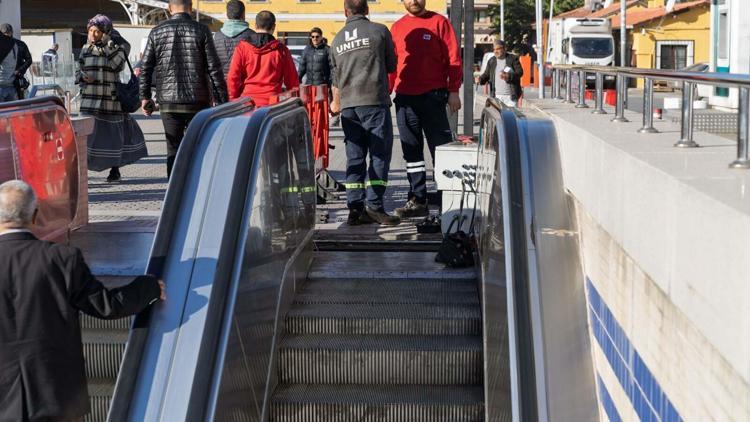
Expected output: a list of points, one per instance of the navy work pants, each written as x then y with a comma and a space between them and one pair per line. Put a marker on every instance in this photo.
417, 115
367, 129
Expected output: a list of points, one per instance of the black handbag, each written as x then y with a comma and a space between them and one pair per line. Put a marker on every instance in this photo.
127, 94
21, 83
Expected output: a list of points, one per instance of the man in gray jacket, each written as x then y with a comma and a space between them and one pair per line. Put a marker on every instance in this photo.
363, 55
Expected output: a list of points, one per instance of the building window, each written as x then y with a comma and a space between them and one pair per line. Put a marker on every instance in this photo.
674, 54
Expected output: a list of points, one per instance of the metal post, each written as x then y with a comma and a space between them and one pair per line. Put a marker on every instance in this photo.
581, 89
555, 83
648, 107
686, 132
502, 20
456, 13
599, 107
560, 95
539, 51
623, 31
468, 67
620, 106
568, 87
743, 132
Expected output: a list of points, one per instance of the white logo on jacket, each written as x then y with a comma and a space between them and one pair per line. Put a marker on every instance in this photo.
350, 37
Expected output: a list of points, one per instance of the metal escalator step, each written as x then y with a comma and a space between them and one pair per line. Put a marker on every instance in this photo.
410, 319
328, 293
377, 403
103, 352
100, 394
381, 359
396, 284
92, 323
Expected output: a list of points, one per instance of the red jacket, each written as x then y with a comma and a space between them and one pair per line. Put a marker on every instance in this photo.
428, 55
260, 65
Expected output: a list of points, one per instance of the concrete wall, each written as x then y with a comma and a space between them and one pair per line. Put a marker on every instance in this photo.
665, 237
10, 12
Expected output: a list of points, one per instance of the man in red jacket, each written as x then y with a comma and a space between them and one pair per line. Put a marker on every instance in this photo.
261, 65
427, 78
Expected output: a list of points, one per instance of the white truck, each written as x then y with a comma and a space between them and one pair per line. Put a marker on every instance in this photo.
581, 41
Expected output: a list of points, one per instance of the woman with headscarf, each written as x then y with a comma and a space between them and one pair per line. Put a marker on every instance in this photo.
117, 140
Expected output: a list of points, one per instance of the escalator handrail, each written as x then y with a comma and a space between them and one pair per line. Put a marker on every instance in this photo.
138, 336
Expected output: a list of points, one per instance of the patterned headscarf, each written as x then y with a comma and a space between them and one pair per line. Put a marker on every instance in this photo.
102, 22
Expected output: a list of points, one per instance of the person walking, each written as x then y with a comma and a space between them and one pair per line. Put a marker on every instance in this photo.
235, 29
262, 66
180, 55
428, 77
503, 73
315, 62
117, 140
23, 61
363, 56
49, 61
8, 61
43, 287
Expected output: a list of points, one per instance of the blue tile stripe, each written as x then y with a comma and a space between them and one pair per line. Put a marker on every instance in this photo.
607, 403
648, 399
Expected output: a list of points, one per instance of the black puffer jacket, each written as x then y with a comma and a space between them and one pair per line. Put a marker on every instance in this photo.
316, 65
225, 46
180, 54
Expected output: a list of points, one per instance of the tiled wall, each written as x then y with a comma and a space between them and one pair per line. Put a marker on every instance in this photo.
643, 390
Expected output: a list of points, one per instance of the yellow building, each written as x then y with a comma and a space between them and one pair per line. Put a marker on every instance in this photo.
674, 40
294, 18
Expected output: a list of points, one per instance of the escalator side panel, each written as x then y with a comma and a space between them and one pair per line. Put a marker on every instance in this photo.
562, 341
272, 259
165, 325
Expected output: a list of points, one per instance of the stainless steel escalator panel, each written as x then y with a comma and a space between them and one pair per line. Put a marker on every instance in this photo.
526, 232
275, 250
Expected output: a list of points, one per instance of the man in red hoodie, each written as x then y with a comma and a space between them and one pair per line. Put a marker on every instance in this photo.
427, 78
261, 65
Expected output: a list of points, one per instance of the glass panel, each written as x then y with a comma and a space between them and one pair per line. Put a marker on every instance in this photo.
723, 33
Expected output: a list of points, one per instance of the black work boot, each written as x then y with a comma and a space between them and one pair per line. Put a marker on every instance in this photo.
357, 217
412, 208
381, 217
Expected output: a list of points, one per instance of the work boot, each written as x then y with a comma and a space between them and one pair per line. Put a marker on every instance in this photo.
381, 217
357, 217
412, 209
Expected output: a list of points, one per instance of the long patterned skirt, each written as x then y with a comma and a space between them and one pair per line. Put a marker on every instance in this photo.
117, 141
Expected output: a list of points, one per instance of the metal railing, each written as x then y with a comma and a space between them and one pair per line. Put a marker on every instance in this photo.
689, 80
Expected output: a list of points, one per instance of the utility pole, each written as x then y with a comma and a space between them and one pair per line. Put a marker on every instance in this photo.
623, 31
539, 55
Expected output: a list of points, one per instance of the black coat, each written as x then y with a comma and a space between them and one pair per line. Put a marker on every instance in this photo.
180, 54
515, 80
316, 65
43, 286
225, 47
23, 61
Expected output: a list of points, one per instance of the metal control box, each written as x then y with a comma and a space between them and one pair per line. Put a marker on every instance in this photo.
455, 176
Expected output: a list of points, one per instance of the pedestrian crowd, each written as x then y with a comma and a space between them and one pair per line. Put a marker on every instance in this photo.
185, 69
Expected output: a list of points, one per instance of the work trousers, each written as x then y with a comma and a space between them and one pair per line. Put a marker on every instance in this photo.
419, 117
367, 129
175, 125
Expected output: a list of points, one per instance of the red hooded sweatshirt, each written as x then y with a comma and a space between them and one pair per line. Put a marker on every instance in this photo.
260, 65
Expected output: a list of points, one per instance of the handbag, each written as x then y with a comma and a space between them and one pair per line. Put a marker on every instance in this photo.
127, 93
21, 83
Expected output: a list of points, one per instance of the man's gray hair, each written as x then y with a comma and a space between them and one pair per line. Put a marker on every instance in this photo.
17, 203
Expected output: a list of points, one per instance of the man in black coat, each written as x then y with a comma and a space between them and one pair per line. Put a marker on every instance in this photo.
315, 61
43, 287
505, 78
235, 29
180, 54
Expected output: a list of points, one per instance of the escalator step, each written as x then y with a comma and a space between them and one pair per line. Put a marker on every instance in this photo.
89, 322
381, 359
410, 319
100, 394
103, 352
377, 403
343, 293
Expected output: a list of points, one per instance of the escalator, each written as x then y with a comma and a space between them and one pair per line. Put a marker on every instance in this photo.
263, 323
